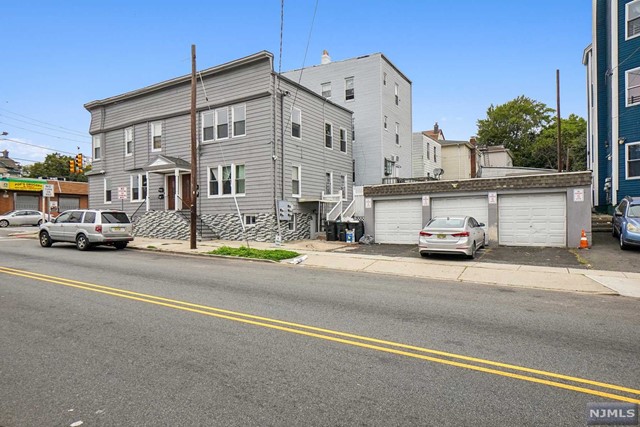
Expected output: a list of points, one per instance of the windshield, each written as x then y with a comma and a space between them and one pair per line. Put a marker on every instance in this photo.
446, 223
634, 211
115, 218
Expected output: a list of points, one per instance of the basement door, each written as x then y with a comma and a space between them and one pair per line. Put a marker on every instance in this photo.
532, 220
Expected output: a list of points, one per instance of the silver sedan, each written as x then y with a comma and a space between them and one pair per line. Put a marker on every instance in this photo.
455, 234
21, 217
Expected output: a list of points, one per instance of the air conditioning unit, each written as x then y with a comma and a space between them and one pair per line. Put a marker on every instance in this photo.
395, 158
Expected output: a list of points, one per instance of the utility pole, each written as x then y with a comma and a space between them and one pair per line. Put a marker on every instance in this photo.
559, 121
194, 159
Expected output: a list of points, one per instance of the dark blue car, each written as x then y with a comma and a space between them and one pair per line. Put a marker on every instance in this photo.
626, 222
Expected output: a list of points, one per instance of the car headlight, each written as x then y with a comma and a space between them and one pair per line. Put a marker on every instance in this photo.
632, 228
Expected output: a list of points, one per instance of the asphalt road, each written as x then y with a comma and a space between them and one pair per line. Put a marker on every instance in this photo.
73, 350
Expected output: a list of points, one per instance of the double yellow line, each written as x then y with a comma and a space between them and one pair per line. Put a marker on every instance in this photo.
581, 385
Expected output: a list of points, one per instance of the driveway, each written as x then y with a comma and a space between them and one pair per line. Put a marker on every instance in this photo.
605, 254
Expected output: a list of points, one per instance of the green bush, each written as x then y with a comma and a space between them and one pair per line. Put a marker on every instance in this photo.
245, 252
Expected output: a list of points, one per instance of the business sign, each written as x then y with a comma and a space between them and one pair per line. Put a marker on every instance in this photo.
21, 184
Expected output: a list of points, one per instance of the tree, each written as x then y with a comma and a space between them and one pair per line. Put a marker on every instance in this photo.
55, 165
516, 125
574, 144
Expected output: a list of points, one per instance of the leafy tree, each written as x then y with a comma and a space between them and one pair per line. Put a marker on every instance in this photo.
55, 165
516, 125
574, 144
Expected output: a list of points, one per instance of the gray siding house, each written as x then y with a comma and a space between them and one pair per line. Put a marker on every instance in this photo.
262, 140
379, 95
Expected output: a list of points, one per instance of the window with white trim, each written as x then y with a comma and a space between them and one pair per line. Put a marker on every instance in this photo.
226, 181
385, 123
222, 123
345, 188
249, 220
632, 84
384, 79
397, 133
326, 89
128, 141
207, 123
295, 181
633, 160
296, 123
291, 224
328, 135
397, 93
428, 152
343, 140
239, 115
156, 136
97, 147
329, 183
107, 190
633, 19
138, 187
349, 89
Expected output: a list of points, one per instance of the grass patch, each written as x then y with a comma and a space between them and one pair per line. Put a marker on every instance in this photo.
245, 252
151, 247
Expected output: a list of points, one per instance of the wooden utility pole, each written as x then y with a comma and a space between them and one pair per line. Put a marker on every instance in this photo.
559, 121
194, 157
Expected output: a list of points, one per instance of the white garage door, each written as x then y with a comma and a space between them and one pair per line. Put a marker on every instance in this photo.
476, 207
398, 221
532, 220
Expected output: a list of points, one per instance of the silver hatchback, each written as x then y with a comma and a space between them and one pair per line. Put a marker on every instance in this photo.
455, 234
87, 228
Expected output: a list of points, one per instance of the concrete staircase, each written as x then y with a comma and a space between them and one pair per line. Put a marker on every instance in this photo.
202, 230
600, 223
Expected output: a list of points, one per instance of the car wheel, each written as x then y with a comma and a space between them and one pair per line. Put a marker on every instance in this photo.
473, 251
424, 254
623, 245
120, 245
4, 223
39, 222
45, 240
82, 243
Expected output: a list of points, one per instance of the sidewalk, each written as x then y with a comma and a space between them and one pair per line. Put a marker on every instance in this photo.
336, 256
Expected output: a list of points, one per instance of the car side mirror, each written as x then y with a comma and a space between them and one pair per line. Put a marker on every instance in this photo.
617, 213
481, 224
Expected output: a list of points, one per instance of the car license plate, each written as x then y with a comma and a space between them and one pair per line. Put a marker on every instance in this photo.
117, 228
442, 236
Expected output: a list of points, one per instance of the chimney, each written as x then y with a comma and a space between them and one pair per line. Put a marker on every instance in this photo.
474, 155
436, 129
325, 58
5, 154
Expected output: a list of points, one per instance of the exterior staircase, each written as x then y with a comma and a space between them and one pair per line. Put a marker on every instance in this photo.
202, 230
600, 222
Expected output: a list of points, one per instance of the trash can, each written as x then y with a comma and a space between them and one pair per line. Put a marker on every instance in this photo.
341, 231
359, 229
330, 228
350, 236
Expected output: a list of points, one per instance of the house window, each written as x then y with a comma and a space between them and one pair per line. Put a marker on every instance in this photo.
239, 122
227, 181
633, 87
349, 89
296, 123
328, 135
107, 190
397, 93
633, 19
156, 136
388, 167
295, 181
343, 140
97, 147
207, 126
222, 123
138, 187
428, 152
385, 123
633, 160
292, 223
326, 89
384, 79
128, 141
328, 183
345, 191
249, 220
435, 153
353, 170
397, 133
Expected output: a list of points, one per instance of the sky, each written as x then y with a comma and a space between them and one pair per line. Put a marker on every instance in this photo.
461, 56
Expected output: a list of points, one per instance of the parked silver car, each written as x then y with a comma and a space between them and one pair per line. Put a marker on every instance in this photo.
87, 228
21, 217
455, 234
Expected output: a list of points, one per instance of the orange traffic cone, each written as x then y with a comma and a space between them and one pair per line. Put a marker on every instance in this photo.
584, 243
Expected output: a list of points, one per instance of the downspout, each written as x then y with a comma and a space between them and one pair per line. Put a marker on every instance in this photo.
615, 107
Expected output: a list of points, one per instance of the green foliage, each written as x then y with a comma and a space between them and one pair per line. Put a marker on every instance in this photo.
516, 125
55, 165
245, 252
574, 144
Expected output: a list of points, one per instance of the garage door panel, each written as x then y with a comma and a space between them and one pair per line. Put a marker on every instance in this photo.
476, 207
532, 220
398, 221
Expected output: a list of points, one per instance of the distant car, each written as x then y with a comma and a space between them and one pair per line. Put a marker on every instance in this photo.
21, 217
455, 234
626, 222
87, 228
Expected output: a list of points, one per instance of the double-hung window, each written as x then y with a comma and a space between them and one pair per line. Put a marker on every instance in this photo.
222, 123
428, 152
343, 140
295, 181
226, 180
107, 190
397, 93
345, 191
349, 89
128, 141
239, 120
328, 135
329, 183
385, 123
296, 123
633, 19
633, 160
326, 89
397, 133
97, 147
156, 136
207, 119
633, 87
138, 187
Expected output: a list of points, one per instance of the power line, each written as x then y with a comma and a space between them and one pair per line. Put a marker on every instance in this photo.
37, 146
44, 126
40, 121
47, 134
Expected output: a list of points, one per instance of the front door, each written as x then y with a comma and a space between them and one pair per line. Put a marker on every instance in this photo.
171, 192
186, 191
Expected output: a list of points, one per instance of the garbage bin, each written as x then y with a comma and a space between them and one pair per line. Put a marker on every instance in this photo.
330, 228
350, 236
359, 229
341, 231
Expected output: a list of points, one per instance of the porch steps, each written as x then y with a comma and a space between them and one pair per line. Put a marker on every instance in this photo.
202, 230
600, 222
